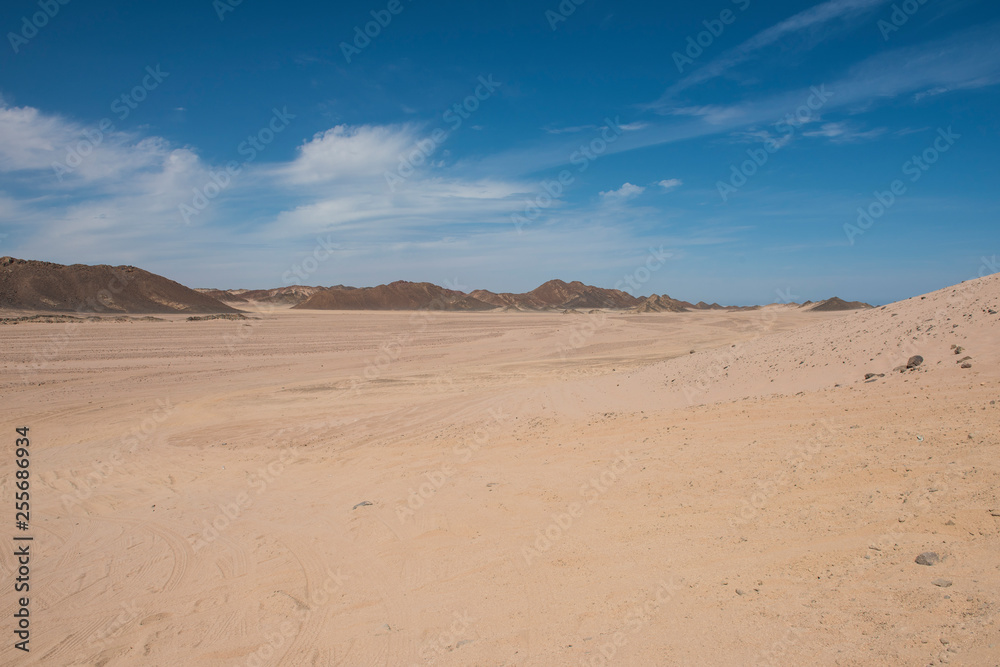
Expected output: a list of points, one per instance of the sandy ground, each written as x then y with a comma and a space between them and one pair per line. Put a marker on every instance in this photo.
329, 488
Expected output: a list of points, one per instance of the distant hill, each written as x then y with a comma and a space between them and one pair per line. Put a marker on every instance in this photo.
291, 295
400, 295
557, 294
34, 285
661, 304
837, 303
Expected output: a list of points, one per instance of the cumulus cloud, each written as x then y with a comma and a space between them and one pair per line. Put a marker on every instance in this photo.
626, 191
670, 184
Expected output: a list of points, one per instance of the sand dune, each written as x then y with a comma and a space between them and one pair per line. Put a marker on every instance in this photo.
393, 488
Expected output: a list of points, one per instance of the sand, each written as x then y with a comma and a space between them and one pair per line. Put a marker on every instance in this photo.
366, 488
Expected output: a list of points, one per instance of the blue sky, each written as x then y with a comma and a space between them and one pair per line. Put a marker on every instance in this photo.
498, 145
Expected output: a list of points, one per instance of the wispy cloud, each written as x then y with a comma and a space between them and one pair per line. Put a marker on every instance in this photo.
811, 18
670, 184
844, 133
573, 129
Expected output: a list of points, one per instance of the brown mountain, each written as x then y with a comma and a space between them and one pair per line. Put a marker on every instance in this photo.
33, 285
561, 295
400, 295
291, 295
661, 304
837, 303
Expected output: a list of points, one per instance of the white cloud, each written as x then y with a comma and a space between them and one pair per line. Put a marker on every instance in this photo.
626, 191
348, 153
670, 184
72, 154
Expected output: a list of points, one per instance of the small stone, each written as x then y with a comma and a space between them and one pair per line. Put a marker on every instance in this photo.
959, 349
363, 503
914, 361
965, 358
928, 558
899, 369
949, 522
942, 583
740, 591
966, 365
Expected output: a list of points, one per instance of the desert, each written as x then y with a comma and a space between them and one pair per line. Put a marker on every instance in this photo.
573, 333
313, 487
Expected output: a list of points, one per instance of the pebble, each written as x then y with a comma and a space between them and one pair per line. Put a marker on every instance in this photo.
942, 583
927, 558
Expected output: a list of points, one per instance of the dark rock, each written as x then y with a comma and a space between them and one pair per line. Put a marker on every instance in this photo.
914, 361
966, 365
363, 503
928, 558
959, 349
965, 358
